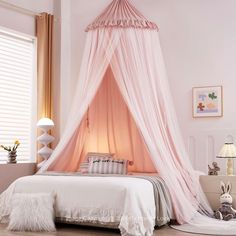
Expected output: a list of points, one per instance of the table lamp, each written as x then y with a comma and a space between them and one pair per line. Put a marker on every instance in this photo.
228, 151
45, 124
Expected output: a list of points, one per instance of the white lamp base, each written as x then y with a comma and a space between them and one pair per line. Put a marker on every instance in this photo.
45, 152
230, 166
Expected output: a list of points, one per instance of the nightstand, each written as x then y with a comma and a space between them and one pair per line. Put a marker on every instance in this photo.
211, 187
11, 172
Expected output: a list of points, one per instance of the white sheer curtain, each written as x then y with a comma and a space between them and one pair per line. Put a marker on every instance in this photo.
140, 73
139, 69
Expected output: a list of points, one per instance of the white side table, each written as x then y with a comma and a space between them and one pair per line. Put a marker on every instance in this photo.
11, 172
211, 187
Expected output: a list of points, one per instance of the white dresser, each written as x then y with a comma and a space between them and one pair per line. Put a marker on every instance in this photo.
212, 189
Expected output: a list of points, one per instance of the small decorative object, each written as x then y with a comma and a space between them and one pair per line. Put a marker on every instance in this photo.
228, 151
214, 169
45, 124
226, 211
207, 101
11, 152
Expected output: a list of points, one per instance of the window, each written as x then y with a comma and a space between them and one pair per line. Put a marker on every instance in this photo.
17, 93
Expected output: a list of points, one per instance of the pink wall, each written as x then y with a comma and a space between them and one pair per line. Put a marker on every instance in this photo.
198, 41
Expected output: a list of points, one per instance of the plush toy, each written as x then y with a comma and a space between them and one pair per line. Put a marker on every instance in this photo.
226, 211
214, 170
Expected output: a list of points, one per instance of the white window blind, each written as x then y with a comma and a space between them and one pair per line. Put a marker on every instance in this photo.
17, 93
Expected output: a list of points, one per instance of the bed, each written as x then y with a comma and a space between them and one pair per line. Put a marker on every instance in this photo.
134, 204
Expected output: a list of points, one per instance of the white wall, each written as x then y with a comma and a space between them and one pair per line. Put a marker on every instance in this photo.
24, 23
198, 41
21, 22
198, 38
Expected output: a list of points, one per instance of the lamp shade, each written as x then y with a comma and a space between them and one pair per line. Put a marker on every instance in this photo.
45, 124
227, 151
45, 121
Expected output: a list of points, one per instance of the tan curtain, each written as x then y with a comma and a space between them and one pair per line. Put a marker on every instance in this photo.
44, 33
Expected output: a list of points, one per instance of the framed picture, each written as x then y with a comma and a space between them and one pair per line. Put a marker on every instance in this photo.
207, 101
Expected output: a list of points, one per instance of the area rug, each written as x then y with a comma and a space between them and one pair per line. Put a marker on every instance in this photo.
205, 230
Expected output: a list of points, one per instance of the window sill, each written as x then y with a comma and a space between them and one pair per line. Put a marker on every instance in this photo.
18, 162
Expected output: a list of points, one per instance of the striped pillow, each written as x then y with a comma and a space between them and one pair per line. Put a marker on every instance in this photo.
108, 166
83, 168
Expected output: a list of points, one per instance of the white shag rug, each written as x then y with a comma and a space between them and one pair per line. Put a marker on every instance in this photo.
188, 228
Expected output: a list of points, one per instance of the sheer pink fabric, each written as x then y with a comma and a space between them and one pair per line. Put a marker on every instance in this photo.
135, 57
107, 127
112, 129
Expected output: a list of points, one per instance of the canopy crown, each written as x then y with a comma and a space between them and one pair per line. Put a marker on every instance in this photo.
121, 14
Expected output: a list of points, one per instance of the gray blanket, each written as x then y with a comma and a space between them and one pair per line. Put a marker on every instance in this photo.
164, 210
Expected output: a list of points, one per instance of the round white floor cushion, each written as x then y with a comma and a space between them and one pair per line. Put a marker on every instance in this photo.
32, 212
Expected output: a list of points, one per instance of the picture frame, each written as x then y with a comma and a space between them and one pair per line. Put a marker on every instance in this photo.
207, 101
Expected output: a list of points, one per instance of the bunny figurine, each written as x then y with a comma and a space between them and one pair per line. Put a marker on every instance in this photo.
226, 211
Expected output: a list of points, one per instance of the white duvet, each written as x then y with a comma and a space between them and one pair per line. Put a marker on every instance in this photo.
127, 202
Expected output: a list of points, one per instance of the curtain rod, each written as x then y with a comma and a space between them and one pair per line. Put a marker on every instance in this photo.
18, 9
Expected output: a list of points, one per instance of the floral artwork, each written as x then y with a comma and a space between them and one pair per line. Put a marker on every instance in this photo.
207, 101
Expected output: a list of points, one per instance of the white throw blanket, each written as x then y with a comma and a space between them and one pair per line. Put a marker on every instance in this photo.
127, 201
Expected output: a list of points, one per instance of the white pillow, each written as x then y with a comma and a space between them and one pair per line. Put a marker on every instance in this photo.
32, 212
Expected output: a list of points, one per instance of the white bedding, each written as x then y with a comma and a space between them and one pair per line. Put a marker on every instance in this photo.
127, 201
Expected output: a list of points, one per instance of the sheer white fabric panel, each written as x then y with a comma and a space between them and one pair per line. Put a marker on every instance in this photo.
144, 85
94, 64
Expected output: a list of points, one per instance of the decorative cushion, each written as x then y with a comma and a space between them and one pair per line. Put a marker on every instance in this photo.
108, 166
83, 168
32, 212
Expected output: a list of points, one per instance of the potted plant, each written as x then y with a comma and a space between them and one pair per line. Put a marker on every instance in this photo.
11, 152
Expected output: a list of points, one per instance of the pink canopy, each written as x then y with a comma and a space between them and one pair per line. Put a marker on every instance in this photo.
123, 60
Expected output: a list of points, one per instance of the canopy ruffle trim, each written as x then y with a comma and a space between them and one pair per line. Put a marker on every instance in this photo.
121, 14
143, 24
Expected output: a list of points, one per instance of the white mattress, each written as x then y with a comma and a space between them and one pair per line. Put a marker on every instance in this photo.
128, 202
